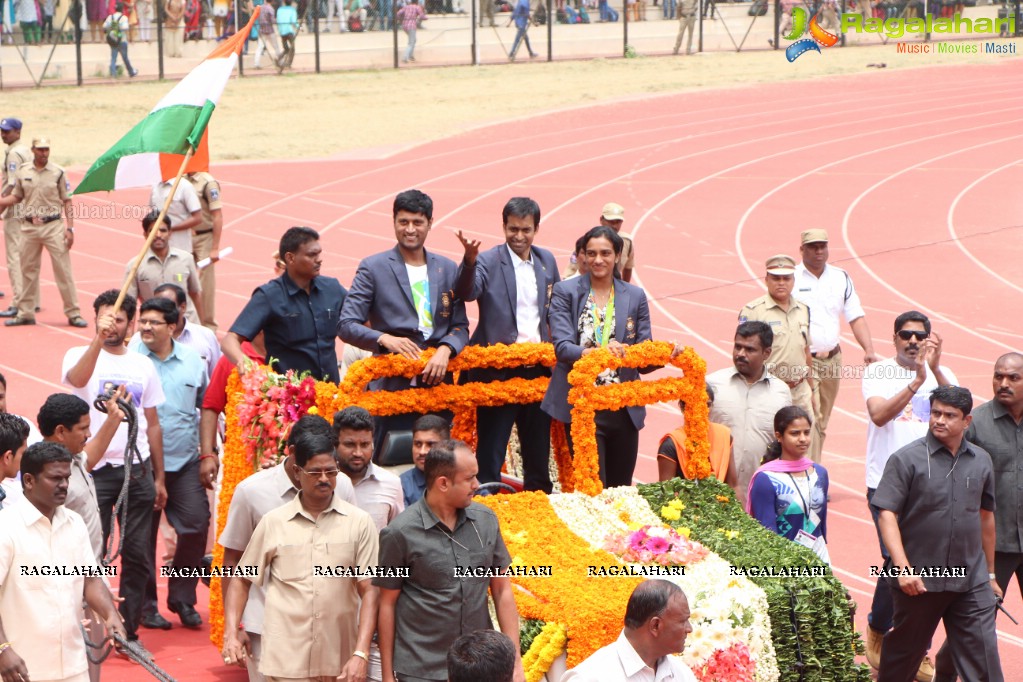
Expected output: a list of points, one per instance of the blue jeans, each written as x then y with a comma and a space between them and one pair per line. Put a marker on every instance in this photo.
668, 8
411, 44
520, 36
121, 48
882, 611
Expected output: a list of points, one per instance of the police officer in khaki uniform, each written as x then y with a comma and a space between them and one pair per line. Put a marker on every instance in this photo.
790, 322
15, 155
206, 241
44, 192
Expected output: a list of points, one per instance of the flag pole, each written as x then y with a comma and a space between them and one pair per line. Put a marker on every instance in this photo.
153, 230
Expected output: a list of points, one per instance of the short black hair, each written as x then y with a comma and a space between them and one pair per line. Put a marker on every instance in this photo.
179, 293
441, 461
958, 397
310, 436
3, 380
482, 655
649, 599
294, 238
435, 423
165, 307
912, 316
521, 207
109, 297
353, 418
710, 391
13, 432
151, 217
413, 201
758, 329
580, 244
60, 409
38, 455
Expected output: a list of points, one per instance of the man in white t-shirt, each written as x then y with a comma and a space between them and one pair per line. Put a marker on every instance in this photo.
95, 370
185, 211
897, 393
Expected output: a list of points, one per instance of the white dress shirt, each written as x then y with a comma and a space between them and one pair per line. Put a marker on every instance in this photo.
41, 613
619, 662
527, 311
828, 298
379, 494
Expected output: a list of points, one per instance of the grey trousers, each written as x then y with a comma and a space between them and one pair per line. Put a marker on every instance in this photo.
969, 619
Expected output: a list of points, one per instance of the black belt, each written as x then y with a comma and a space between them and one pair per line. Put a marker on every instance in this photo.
204, 231
50, 219
827, 356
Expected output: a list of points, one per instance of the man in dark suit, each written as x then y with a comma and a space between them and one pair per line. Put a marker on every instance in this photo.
403, 301
512, 285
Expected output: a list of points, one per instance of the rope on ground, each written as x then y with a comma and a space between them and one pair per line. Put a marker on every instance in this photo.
131, 649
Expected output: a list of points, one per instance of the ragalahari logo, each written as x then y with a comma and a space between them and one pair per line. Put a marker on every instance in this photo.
802, 23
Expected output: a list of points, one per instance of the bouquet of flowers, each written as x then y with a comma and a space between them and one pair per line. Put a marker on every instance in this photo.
272, 403
655, 544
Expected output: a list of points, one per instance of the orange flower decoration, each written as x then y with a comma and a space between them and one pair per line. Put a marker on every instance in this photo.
586, 398
593, 616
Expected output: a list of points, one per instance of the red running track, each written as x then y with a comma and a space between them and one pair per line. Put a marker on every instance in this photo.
914, 173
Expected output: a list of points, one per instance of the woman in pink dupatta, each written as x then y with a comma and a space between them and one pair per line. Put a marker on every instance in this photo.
788, 494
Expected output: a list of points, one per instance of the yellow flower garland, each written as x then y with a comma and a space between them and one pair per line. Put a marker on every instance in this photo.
546, 647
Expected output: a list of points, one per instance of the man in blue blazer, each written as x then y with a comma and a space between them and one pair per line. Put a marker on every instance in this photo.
512, 285
402, 301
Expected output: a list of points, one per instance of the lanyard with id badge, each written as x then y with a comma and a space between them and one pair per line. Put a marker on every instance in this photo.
816, 544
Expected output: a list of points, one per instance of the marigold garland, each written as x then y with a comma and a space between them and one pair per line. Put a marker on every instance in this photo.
546, 647
236, 468
586, 398
592, 617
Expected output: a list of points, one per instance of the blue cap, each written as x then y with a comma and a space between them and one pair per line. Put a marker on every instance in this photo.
10, 124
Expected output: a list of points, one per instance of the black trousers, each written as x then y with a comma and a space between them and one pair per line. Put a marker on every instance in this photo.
617, 446
136, 532
188, 511
494, 425
1007, 564
969, 619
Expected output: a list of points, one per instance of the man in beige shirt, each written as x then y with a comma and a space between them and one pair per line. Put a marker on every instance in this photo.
613, 216
746, 398
45, 193
315, 555
206, 241
16, 154
47, 566
790, 323
162, 264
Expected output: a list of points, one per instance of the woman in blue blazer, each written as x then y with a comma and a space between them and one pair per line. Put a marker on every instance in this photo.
592, 311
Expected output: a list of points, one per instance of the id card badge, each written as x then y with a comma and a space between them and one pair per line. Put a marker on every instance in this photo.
817, 544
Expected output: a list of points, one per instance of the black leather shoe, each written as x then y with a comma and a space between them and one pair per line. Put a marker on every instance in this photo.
190, 618
155, 621
10, 312
19, 322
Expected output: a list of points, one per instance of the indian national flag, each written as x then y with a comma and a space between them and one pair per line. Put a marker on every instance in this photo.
153, 150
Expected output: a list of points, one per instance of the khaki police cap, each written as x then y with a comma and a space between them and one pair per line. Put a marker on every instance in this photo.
811, 236
41, 143
781, 265
612, 211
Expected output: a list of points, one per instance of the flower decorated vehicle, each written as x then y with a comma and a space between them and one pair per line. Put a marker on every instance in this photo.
597, 544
